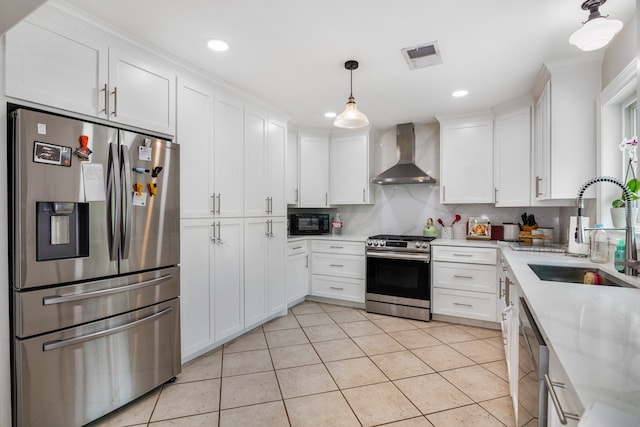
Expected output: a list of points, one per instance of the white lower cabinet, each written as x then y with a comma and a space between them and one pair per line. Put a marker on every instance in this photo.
508, 311
211, 269
464, 282
338, 269
297, 272
264, 276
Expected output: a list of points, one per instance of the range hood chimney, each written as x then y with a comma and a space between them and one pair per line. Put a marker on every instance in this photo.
405, 171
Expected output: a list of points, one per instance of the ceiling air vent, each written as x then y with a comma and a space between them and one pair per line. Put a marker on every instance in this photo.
423, 55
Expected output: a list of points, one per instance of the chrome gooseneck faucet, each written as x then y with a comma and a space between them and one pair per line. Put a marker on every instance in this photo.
631, 264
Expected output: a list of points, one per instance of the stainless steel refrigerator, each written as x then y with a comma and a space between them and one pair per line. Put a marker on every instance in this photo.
94, 231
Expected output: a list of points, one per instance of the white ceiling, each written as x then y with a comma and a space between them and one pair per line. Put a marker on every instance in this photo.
291, 53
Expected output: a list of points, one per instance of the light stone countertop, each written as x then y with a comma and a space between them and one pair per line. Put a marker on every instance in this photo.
594, 330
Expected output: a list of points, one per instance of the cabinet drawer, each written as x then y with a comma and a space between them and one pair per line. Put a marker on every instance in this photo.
464, 254
352, 266
472, 277
295, 248
337, 247
471, 305
338, 288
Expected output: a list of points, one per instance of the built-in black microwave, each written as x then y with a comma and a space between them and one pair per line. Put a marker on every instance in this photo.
308, 223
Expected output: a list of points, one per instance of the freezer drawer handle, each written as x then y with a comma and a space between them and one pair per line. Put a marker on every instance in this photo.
53, 345
59, 299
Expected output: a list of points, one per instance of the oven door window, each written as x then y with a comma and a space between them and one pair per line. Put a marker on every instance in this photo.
398, 277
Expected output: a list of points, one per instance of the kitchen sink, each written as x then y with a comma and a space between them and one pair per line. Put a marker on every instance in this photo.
559, 273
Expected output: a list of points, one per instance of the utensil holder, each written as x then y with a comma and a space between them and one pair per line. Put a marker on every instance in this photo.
447, 233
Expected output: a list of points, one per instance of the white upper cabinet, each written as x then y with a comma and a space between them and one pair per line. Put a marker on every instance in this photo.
228, 156
57, 69
565, 126
276, 167
264, 165
291, 169
313, 190
256, 200
466, 159
512, 145
349, 169
195, 135
59, 62
542, 145
141, 91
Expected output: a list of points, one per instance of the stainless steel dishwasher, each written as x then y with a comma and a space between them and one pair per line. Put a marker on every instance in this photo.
534, 365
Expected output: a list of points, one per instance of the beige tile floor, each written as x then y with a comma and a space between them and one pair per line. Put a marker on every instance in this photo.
328, 365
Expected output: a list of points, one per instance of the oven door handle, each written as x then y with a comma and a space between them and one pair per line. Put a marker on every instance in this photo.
400, 255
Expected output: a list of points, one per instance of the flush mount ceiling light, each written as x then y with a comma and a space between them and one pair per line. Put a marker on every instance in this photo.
351, 118
218, 45
597, 31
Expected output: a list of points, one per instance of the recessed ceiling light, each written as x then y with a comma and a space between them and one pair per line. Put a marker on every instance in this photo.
460, 93
218, 45
330, 115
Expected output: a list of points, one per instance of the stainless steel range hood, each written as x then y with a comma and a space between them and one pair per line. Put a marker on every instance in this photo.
405, 171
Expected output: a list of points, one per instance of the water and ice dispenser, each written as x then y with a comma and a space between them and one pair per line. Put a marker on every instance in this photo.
62, 230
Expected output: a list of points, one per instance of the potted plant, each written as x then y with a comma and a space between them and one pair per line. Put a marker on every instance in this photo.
618, 206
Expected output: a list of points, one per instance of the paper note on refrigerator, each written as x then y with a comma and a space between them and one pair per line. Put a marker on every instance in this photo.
139, 200
93, 180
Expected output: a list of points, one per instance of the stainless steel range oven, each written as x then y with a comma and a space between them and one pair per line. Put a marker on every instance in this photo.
399, 276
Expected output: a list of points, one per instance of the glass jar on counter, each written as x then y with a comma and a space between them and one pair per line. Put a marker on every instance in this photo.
599, 245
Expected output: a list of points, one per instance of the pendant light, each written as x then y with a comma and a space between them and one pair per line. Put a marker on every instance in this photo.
597, 31
351, 118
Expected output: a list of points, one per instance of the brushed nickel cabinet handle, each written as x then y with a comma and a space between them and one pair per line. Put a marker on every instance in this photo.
556, 402
457, 276
336, 288
463, 305
115, 102
106, 99
336, 265
464, 255
538, 193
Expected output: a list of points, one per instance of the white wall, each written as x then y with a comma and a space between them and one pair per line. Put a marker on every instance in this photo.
5, 334
620, 52
403, 209
15, 11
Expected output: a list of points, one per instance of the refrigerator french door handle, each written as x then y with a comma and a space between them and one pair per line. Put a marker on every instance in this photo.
53, 345
113, 212
59, 299
127, 201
